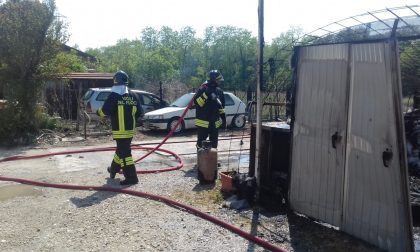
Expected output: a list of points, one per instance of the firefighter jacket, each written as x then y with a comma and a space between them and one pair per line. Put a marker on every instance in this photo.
210, 107
123, 108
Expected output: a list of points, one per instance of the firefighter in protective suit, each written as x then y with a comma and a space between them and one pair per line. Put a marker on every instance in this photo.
123, 108
210, 109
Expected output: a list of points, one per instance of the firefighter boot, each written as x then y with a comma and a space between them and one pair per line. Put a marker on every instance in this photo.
113, 169
130, 175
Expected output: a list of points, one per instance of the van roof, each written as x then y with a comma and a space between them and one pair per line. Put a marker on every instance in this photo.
131, 89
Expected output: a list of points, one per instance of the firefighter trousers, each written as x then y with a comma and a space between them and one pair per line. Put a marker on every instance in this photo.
203, 133
123, 159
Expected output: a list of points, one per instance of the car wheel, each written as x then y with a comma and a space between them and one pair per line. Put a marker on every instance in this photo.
238, 121
172, 123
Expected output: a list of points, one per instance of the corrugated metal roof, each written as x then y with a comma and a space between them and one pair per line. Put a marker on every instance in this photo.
399, 22
88, 76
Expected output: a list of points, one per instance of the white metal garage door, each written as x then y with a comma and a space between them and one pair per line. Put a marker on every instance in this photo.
318, 167
348, 161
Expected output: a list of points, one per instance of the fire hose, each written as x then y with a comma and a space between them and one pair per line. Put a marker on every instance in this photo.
263, 243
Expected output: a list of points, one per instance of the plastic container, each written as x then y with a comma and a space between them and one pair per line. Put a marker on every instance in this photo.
226, 179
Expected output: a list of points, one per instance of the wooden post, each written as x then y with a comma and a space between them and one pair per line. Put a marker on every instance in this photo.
259, 85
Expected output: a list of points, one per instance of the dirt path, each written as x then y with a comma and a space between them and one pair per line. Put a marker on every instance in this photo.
47, 219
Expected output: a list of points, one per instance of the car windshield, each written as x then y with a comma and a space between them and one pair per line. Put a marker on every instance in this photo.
182, 101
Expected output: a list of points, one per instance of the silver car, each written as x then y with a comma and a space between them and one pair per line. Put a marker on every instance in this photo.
166, 118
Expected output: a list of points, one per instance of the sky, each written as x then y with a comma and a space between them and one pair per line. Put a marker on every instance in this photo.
97, 23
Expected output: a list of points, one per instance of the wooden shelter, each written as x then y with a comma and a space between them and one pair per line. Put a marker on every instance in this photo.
64, 95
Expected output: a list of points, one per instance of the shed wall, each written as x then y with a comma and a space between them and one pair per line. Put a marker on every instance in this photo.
347, 168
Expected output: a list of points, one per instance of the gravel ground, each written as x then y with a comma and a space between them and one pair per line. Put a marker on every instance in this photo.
48, 219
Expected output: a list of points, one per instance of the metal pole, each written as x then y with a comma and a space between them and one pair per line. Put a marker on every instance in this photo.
160, 90
259, 85
77, 88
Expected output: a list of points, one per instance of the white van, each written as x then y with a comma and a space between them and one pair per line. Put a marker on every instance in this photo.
94, 98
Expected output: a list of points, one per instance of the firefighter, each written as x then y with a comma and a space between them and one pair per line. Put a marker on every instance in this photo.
210, 109
123, 108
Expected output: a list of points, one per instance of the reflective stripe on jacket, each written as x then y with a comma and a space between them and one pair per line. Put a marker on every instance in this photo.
123, 111
210, 104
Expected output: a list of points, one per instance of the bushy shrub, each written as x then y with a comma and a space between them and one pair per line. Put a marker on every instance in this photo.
43, 120
17, 129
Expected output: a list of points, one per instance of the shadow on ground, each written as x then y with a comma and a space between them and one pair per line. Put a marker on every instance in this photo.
97, 197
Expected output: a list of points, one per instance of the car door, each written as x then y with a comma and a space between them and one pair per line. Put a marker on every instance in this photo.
230, 108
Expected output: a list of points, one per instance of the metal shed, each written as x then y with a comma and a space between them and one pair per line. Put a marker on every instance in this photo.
348, 163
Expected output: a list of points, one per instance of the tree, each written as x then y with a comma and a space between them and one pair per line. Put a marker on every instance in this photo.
410, 68
64, 63
232, 51
30, 36
171, 56
277, 74
190, 55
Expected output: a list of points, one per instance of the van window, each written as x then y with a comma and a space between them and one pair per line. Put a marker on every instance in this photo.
155, 100
148, 100
102, 96
138, 97
87, 95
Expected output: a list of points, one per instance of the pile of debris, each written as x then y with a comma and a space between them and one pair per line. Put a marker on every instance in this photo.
412, 133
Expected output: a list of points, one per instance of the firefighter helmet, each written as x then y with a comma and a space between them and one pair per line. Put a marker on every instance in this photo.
121, 77
215, 76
